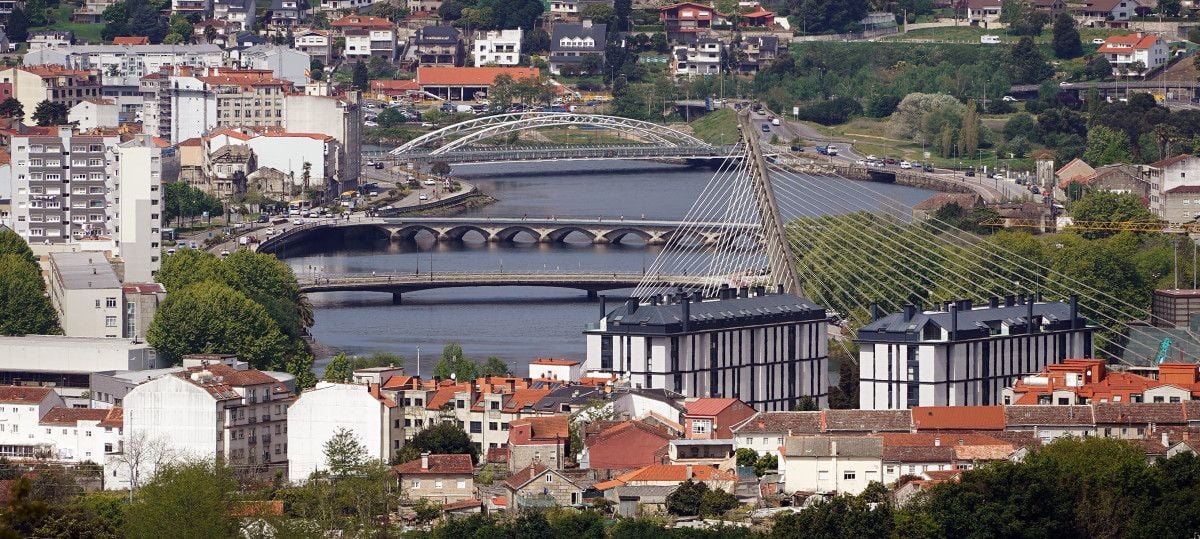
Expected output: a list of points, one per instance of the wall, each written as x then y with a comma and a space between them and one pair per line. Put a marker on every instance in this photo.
318, 415
175, 412
139, 171
453, 488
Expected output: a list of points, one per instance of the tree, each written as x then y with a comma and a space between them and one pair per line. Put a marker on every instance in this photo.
969, 133
300, 365
686, 499
535, 41
17, 27
746, 456
601, 14
1170, 8
716, 502
185, 500
339, 369
11, 108
1066, 37
622, 8
828, 16
766, 463
345, 454
426, 510
495, 366
182, 200
187, 267
24, 307
1108, 207
361, 80
21, 512
36, 11
444, 438
439, 168
212, 318
390, 117
1027, 64
1107, 146
1021, 124
49, 113
453, 363
146, 20
12, 243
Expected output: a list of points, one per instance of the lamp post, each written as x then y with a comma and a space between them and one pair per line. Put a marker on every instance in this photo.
418, 362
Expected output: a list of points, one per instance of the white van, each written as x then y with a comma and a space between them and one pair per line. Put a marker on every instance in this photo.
989, 40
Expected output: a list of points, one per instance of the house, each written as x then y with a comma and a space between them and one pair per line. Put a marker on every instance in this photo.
1115, 178
92, 114
226, 170
907, 454
624, 446
287, 14
980, 350
713, 452
33, 84
928, 208
757, 52
321, 412
238, 15
366, 37
1164, 175
435, 46
684, 22
91, 12
502, 48
425, 6
981, 11
1053, 8
1107, 12
441, 478
1181, 204
713, 418
467, 83
1135, 54
86, 293
1089, 381
664, 475
315, 43
831, 464
677, 327
545, 440
387, 90
191, 7
1075, 170
538, 486
50, 39
1049, 423
556, 369
758, 17
764, 432
704, 57
571, 44
958, 418
570, 10
24, 408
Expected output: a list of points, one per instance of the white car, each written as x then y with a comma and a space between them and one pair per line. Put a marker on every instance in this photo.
430, 182
270, 231
872, 158
224, 252
297, 221
860, 162
905, 165
775, 121
370, 124
1009, 99
423, 197
1098, 41
1064, 84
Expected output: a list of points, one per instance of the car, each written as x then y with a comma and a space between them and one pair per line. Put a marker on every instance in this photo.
426, 124
171, 251
262, 219
860, 162
270, 231
224, 252
430, 182
891, 161
766, 128
192, 245
297, 221
774, 121
970, 173
928, 167
1064, 84
905, 165
871, 158
1009, 99
244, 240
379, 166
1098, 41
373, 193
370, 124
1034, 189
797, 148
423, 197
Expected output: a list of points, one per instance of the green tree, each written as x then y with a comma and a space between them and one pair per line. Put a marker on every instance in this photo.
21, 512
535, 41
1021, 124
717, 502
439, 168
49, 113
453, 363
842, 516
36, 10
210, 317
1066, 37
11, 108
1027, 64
601, 14
766, 464
190, 500
427, 510
24, 307
339, 369
444, 438
686, 499
17, 26
345, 454
390, 117
828, 16
969, 132
188, 266
300, 365
96, 516
746, 456
12, 243
495, 366
1106, 206
1107, 146
574, 523
146, 20
361, 79
1170, 8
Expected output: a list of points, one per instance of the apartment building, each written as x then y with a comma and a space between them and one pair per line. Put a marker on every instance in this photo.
436, 46
213, 410
287, 14
250, 98
686, 21
32, 84
314, 42
141, 302
769, 350
1135, 54
571, 43
61, 184
700, 58
123, 65
283, 62
501, 48
139, 165
1086, 381
961, 354
238, 15
66, 363
366, 37
86, 293
321, 412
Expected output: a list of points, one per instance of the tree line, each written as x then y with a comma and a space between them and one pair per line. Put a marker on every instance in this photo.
24, 307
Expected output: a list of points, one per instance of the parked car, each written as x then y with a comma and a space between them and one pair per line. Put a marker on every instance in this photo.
890, 161
766, 128
797, 148
1034, 189
928, 167
905, 165
774, 121
1098, 41
378, 166
1009, 98
970, 173
423, 197
263, 218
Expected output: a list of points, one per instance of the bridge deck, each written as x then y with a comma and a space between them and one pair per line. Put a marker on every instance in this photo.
410, 282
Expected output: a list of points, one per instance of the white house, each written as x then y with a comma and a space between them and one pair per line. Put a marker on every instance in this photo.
764, 432
1135, 54
90, 114
831, 464
21, 408
322, 411
502, 48
82, 435
983, 11
314, 42
1100, 12
1177, 175
86, 293
700, 58
556, 369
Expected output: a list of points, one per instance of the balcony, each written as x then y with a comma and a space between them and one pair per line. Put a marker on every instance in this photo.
253, 440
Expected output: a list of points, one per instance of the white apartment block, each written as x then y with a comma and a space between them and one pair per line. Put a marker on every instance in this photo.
94, 113
123, 65
86, 293
177, 108
313, 42
319, 413
962, 355
1125, 52
139, 167
700, 58
367, 43
213, 410
502, 48
1179, 175
61, 186
344, 5
20, 410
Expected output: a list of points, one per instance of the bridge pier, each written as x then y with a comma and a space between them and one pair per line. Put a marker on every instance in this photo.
592, 295
396, 298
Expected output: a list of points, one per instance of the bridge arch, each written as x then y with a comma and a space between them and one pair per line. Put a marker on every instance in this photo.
509, 234
450, 138
615, 236
457, 233
559, 235
409, 232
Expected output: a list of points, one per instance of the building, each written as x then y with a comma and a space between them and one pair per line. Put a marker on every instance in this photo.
769, 350
321, 412
757, 52
66, 363
556, 369
50, 39
1173, 308
284, 63
1088, 381
140, 163
315, 43
441, 478
684, 22
1135, 54
713, 418
571, 10
339, 117
91, 12
23, 408
465, 83
121, 67
1053, 8
1107, 12
86, 293
571, 44
311, 160
249, 98
54, 83
1116, 178
1168, 174
92, 114
917, 454
435, 46
982, 11
226, 169
626, 445
237, 15
831, 464
47, 208
544, 440
706, 452
764, 432
367, 37
141, 302
1181, 204
964, 355
704, 57
210, 411
661, 475
538, 486
287, 14
501, 48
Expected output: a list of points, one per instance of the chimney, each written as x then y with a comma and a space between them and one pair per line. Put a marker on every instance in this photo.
1029, 316
1166, 441
723, 292
779, 289
688, 472
1008, 300
875, 312
937, 442
1021, 299
631, 305
1074, 302
744, 292
953, 322
760, 290
654, 299
425, 460
587, 23
697, 297
687, 313
967, 304
603, 305
993, 302
909, 311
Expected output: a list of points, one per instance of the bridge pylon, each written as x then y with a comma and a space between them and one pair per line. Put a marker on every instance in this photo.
778, 249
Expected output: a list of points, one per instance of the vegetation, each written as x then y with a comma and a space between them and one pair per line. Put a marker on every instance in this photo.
443, 438
24, 307
717, 127
181, 200
134, 17
454, 365
341, 368
49, 113
191, 500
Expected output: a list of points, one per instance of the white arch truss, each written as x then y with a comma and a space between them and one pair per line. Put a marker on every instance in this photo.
456, 136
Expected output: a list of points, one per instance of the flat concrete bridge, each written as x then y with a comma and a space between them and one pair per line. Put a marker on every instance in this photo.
507, 229
399, 283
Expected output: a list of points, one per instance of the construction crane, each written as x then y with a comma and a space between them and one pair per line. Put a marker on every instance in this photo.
1116, 226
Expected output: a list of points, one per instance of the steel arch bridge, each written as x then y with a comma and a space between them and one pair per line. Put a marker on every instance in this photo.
460, 137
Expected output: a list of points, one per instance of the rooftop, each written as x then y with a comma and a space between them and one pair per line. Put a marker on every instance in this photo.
437, 465
84, 271
23, 395
709, 406
667, 317
471, 76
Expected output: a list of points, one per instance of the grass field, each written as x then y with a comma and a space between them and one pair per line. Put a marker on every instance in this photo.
717, 127
83, 32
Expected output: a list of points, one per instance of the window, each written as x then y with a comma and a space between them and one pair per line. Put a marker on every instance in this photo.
437, 483
111, 303
549, 478
848, 475
110, 321
476, 427
416, 483
701, 426
461, 484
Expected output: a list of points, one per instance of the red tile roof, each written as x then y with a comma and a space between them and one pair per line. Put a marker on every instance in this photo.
674, 472
958, 417
115, 418
23, 395
556, 362
532, 430
471, 76
497, 454
362, 21
1127, 43
131, 40
400, 382
53, 70
790, 423
72, 416
1170, 160
462, 504
708, 406
143, 288
443, 395
395, 85
525, 475
438, 465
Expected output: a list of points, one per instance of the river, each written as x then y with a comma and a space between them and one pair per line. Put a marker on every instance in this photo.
514, 324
